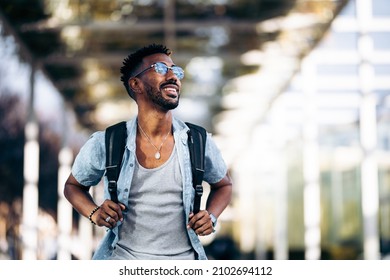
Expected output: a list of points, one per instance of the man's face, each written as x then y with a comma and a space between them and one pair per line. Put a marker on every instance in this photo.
163, 90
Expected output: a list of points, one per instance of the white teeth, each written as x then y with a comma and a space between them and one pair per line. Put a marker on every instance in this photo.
170, 89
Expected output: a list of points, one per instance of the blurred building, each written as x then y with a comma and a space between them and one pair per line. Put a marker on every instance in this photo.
314, 160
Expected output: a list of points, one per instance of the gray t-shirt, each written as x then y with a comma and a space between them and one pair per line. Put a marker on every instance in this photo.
155, 226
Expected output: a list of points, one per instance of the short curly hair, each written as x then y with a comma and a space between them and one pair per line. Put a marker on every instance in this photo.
133, 60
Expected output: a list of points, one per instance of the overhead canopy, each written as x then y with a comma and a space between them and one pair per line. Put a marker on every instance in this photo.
80, 44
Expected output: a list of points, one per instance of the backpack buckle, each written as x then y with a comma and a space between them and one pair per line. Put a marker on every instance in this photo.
112, 186
199, 190
111, 172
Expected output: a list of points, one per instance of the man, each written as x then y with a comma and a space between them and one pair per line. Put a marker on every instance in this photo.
153, 219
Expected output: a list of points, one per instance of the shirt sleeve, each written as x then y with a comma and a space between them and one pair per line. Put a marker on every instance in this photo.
89, 165
215, 166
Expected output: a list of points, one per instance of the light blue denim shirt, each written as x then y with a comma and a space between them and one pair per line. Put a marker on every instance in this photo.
89, 168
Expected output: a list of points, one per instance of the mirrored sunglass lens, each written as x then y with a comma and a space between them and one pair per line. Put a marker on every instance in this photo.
161, 68
178, 71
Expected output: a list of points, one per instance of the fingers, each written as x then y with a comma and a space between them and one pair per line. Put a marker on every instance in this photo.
201, 223
109, 214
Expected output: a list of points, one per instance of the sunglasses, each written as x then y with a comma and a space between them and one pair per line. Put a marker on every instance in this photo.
162, 69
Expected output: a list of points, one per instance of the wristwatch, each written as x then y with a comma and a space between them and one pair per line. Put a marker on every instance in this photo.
213, 221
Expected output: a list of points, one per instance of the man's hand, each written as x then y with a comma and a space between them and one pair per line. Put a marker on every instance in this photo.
201, 223
108, 214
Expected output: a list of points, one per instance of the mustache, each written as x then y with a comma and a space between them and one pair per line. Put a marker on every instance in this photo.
172, 82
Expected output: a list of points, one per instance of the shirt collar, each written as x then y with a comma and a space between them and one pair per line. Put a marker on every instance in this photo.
179, 128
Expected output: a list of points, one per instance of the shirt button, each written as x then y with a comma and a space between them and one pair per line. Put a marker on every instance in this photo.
126, 190
131, 165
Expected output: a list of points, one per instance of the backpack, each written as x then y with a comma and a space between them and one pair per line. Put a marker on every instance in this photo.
115, 141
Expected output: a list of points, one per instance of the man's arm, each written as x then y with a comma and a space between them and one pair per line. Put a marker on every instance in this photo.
218, 199
80, 198
220, 196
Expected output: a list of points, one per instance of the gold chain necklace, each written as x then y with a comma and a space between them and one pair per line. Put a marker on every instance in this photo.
157, 155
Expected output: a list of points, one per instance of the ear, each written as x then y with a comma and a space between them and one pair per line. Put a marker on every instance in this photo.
133, 84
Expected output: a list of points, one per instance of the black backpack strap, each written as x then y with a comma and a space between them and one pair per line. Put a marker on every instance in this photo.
115, 141
197, 147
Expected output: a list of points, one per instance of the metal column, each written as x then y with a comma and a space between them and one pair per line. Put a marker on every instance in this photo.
368, 134
311, 196
281, 186
31, 174
64, 208
169, 24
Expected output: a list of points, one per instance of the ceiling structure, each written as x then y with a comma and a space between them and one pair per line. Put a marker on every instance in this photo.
80, 44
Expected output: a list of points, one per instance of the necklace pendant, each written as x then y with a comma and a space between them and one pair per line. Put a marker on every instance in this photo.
157, 155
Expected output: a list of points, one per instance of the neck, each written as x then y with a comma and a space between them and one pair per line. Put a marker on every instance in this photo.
155, 124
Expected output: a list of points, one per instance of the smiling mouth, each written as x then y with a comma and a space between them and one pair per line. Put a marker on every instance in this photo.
171, 91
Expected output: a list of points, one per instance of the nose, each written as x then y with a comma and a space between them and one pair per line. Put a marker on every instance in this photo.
170, 75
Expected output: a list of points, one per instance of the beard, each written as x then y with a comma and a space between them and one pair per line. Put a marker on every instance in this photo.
159, 100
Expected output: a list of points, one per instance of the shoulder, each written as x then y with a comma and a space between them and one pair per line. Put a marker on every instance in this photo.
88, 166
179, 125
94, 145
97, 138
